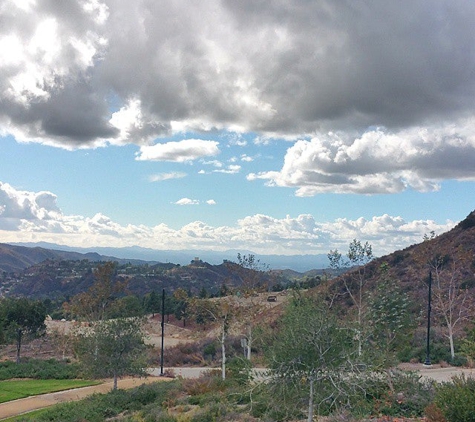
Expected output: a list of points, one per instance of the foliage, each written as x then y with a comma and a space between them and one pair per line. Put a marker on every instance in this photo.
409, 396
22, 317
39, 369
451, 299
224, 313
354, 282
182, 300
100, 407
389, 321
126, 307
456, 399
252, 273
112, 348
468, 347
153, 303
94, 304
309, 348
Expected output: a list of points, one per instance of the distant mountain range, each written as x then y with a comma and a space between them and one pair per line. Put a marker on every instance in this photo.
18, 256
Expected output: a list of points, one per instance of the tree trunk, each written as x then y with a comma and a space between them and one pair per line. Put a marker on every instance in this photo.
18, 344
310, 402
451, 341
223, 352
114, 387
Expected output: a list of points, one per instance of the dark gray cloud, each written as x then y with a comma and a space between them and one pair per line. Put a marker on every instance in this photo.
270, 67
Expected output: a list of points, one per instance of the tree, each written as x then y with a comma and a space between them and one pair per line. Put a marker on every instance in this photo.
389, 321
451, 297
153, 303
182, 300
112, 348
223, 312
93, 304
22, 317
357, 257
127, 306
309, 348
252, 273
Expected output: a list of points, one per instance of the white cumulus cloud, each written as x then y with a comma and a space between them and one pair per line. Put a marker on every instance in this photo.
34, 217
379, 161
187, 150
187, 201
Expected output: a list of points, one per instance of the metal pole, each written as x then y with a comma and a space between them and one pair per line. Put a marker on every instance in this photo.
163, 331
429, 308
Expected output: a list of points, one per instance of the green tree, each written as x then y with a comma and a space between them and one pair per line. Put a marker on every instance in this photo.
22, 317
127, 306
354, 281
94, 304
153, 303
309, 349
112, 348
389, 324
223, 312
182, 300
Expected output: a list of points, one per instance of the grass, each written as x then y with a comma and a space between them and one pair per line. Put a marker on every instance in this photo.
30, 416
18, 389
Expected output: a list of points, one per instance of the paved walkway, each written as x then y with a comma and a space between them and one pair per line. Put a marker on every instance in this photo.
438, 373
20, 406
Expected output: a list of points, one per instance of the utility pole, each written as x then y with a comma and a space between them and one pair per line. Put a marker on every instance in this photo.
163, 331
429, 308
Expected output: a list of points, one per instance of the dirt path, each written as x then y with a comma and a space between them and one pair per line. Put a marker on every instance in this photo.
18, 407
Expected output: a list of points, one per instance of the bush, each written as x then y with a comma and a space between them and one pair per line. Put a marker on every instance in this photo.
100, 407
239, 370
209, 382
211, 413
39, 369
409, 398
459, 360
456, 399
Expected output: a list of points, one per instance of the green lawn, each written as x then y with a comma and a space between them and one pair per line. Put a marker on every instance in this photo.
18, 389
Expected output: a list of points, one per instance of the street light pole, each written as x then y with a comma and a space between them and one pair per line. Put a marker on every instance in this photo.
429, 308
163, 331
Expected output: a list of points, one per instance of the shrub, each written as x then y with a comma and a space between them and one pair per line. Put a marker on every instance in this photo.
434, 414
239, 370
209, 382
456, 399
211, 413
409, 397
39, 369
100, 407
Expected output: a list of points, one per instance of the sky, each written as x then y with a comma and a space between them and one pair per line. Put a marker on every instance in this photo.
277, 127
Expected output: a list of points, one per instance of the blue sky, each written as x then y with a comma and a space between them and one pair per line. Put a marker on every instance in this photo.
274, 127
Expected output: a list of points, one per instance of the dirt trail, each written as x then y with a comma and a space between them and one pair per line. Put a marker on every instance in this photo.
20, 406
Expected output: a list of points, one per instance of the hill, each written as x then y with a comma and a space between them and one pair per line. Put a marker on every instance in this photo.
15, 258
447, 259
453, 251
60, 278
300, 263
